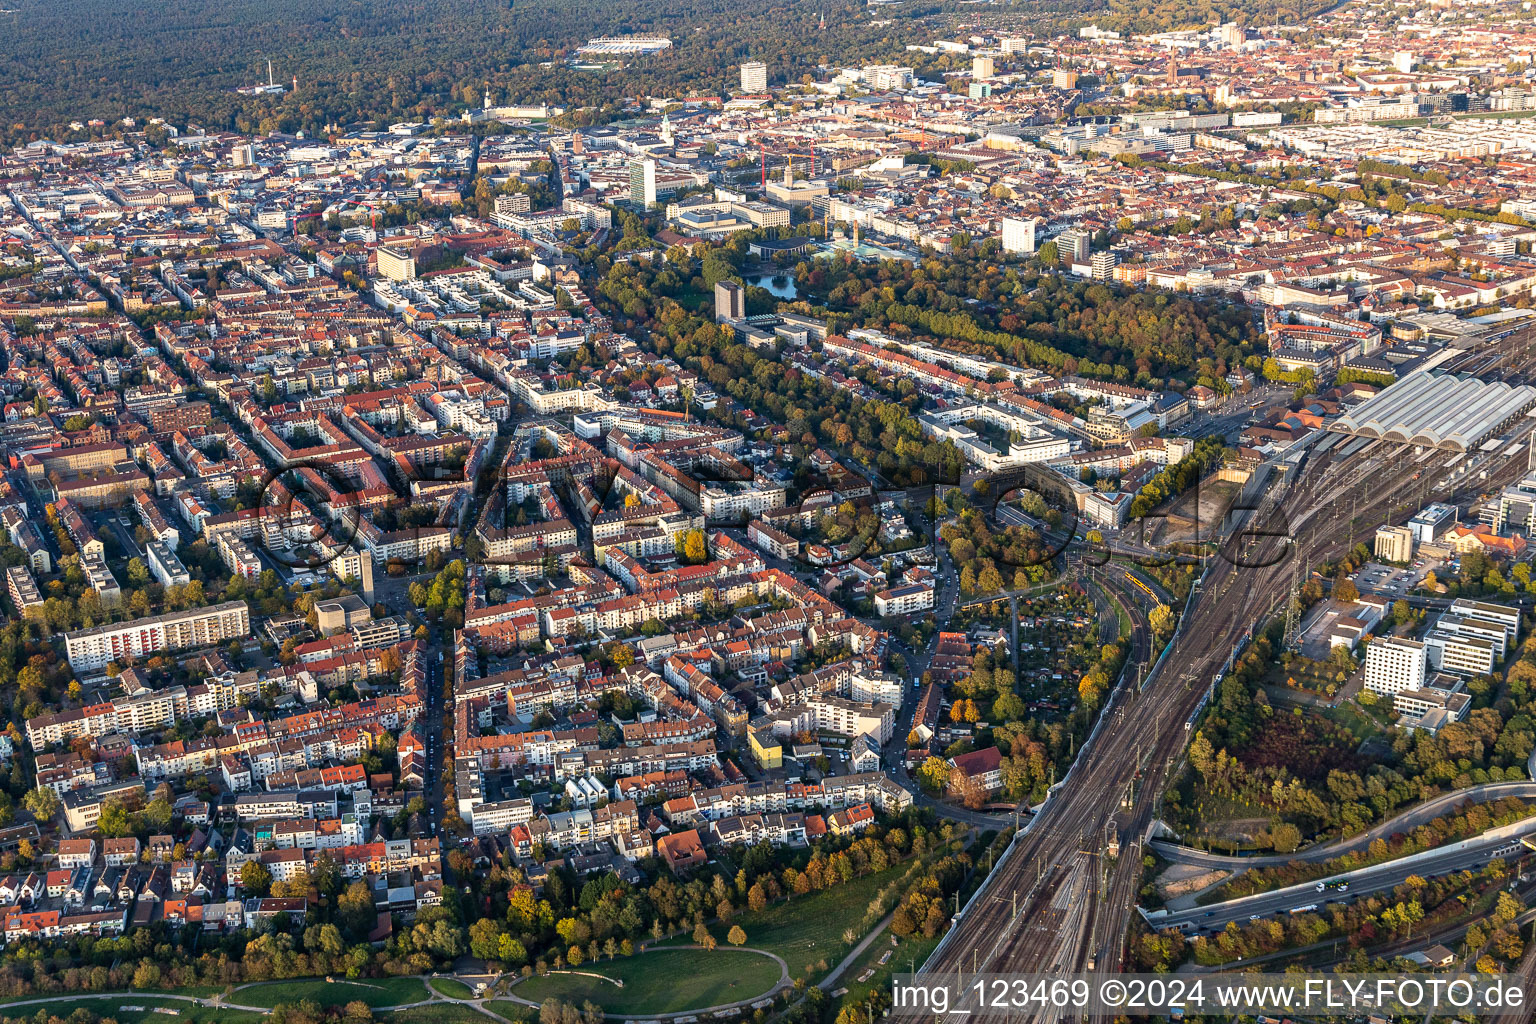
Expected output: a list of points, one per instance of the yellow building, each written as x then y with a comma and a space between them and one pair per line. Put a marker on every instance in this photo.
765, 748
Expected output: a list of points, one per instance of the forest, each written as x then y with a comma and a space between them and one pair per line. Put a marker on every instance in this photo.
366, 60
372, 61
1306, 772
1167, 15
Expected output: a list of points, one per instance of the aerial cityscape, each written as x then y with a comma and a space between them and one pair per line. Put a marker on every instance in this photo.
553, 512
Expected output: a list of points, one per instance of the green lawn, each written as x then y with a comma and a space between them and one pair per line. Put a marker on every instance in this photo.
452, 988
443, 1013
512, 1011
373, 991
110, 1006
197, 991
664, 981
912, 950
691, 299
809, 929
1355, 720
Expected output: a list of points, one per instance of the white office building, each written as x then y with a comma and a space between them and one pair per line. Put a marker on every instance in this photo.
1432, 521
1505, 615
1458, 653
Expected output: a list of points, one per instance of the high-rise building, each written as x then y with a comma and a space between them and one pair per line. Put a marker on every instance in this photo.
730, 301
754, 77
1019, 234
517, 202
396, 264
983, 68
1063, 79
1072, 247
1232, 35
1104, 264
1517, 506
642, 184
1393, 664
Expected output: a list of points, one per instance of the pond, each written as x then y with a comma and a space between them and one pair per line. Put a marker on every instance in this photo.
782, 286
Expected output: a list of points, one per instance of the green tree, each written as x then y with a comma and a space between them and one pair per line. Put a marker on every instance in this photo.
933, 774
356, 907
114, 821
255, 878
43, 803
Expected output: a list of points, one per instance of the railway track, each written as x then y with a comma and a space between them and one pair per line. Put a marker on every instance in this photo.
1015, 924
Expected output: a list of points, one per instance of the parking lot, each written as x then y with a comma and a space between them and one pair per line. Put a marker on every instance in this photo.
1391, 581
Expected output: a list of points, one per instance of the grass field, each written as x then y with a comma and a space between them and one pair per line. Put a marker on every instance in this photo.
443, 1013
110, 1006
912, 950
373, 991
1355, 720
512, 1011
692, 300
809, 929
197, 991
450, 987
664, 981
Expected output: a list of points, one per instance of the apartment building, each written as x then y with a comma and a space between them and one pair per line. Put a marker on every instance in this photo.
904, 600
93, 648
396, 264
25, 597
754, 77
165, 565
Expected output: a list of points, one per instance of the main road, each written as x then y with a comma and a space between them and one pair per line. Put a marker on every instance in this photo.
1058, 901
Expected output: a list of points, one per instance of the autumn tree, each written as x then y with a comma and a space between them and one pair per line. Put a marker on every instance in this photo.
255, 877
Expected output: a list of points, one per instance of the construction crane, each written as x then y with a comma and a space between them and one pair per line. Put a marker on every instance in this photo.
789, 168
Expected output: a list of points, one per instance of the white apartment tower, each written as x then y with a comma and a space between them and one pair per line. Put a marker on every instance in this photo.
642, 184
396, 264
1019, 235
754, 77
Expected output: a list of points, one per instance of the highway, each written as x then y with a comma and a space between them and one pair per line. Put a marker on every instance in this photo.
1443, 860
1057, 900
1408, 820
